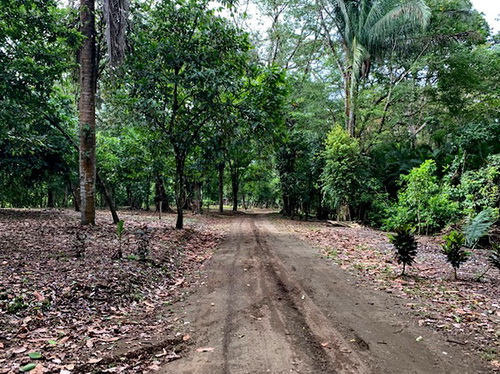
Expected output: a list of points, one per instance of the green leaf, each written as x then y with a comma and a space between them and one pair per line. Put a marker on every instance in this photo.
28, 367
52, 342
35, 355
478, 227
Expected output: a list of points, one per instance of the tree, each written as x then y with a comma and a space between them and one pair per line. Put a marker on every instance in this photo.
341, 176
36, 45
366, 30
86, 106
185, 59
114, 11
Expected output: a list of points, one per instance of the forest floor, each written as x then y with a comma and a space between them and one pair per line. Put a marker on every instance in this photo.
234, 293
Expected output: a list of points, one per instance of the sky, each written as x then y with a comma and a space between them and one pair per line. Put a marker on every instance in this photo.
491, 10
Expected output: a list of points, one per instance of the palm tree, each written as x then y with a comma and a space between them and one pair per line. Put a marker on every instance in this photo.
86, 109
366, 29
115, 14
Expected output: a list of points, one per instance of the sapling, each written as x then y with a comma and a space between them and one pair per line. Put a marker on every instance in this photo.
120, 229
405, 244
453, 248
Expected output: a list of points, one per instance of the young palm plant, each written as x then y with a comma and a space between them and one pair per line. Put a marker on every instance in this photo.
406, 246
453, 248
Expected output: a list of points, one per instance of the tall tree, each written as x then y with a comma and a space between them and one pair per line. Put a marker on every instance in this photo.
185, 60
86, 106
115, 16
366, 29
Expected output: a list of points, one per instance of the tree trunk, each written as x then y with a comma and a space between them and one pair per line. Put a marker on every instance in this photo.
86, 107
235, 188
51, 203
180, 191
197, 198
221, 187
161, 195
109, 199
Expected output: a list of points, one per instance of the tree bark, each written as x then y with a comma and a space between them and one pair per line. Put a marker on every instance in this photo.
109, 199
161, 195
86, 107
221, 187
235, 188
180, 191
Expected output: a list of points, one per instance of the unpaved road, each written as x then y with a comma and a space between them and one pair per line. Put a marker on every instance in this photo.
270, 304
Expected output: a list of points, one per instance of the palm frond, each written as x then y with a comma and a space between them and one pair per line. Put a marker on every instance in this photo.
390, 19
478, 227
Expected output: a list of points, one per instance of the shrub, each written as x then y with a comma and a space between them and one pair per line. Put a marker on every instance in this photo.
422, 202
453, 248
405, 244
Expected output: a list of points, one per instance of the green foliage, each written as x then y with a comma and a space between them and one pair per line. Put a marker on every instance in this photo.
478, 227
422, 201
405, 244
453, 248
120, 229
494, 256
480, 189
341, 178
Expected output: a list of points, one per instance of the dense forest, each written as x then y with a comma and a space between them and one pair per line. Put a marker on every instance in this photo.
385, 112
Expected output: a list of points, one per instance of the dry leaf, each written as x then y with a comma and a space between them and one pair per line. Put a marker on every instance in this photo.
95, 360
325, 344
39, 297
19, 350
186, 337
205, 349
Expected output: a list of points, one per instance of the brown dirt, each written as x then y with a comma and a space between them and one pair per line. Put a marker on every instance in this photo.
272, 304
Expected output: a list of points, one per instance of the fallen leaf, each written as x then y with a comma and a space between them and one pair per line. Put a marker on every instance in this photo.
205, 349
186, 337
26, 368
325, 344
39, 297
19, 350
95, 360
35, 355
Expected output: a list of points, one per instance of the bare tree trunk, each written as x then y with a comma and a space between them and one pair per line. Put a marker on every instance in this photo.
86, 107
235, 187
180, 191
221, 187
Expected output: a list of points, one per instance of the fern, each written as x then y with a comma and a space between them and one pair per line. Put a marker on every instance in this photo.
478, 227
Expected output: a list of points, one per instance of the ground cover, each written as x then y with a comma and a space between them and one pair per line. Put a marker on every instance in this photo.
67, 306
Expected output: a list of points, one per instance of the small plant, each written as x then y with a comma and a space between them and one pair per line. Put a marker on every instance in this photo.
405, 244
453, 248
120, 229
478, 227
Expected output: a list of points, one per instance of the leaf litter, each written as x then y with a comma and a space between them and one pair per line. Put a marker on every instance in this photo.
77, 313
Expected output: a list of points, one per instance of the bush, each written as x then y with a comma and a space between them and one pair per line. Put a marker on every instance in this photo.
405, 244
453, 248
422, 202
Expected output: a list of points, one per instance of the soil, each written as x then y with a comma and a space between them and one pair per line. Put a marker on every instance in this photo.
270, 303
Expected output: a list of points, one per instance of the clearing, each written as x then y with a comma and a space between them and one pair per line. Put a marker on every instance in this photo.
233, 293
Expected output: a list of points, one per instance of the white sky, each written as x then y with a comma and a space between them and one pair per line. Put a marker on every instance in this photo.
491, 10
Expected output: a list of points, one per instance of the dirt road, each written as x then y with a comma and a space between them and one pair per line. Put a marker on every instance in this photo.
271, 304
